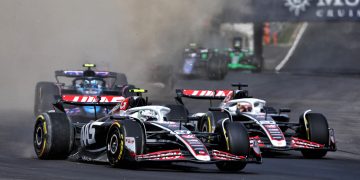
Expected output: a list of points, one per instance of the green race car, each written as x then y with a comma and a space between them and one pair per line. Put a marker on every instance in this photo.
241, 60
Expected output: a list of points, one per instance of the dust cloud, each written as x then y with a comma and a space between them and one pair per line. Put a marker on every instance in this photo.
40, 36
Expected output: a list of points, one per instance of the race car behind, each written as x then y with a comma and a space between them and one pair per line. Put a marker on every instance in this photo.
80, 82
240, 58
198, 61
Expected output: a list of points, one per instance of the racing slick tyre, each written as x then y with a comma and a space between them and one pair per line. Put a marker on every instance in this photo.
224, 66
314, 127
121, 80
163, 76
169, 80
125, 91
236, 140
251, 60
208, 122
53, 136
45, 93
215, 68
258, 68
118, 134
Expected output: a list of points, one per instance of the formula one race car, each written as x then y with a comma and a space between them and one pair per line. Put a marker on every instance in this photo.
270, 128
240, 58
133, 131
199, 61
86, 82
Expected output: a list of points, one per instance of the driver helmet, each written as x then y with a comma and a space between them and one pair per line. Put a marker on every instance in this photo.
147, 115
237, 44
193, 45
244, 107
93, 84
193, 48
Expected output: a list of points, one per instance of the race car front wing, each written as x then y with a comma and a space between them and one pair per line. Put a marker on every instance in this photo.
180, 155
295, 143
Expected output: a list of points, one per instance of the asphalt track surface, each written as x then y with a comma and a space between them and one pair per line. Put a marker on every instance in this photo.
339, 47
334, 95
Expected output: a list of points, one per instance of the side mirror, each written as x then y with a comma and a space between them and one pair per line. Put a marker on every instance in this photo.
284, 110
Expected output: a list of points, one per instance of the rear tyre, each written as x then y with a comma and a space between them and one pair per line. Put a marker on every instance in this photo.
216, 68
236, 141
125, 91
117, 154
45, 93
121, 80
314, 128
208, 123
169, 81
224, 67
164, 75
257, 63
53, 136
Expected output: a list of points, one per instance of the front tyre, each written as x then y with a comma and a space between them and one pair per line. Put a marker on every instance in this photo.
125, 91
115, 145
53, 136
118, 134
236, 140
314, 127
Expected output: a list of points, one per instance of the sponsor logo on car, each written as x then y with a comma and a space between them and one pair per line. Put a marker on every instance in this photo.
207, 93
92, 99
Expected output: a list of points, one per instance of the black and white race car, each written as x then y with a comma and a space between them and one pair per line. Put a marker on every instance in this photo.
133, 131
270, 128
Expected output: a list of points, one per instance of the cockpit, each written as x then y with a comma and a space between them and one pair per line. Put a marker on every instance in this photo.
247, 105
150, 113
90, 86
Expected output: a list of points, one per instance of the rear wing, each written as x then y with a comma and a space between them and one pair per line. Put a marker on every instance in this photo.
100, 74
225, 95
203, 94
88, 100
102, 100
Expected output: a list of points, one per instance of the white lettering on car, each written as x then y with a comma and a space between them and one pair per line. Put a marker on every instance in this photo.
88, 133
91, 99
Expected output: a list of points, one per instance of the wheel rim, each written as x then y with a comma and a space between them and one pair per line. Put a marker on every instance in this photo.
39, 136
114, 143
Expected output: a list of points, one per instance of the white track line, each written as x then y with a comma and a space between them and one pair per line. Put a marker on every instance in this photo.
293, 47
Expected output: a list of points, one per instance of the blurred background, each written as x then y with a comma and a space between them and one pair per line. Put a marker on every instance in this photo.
39, 37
